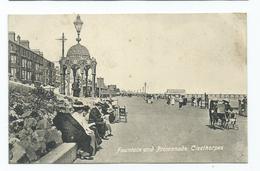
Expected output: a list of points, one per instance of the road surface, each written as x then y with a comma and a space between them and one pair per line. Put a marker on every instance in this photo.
160, 133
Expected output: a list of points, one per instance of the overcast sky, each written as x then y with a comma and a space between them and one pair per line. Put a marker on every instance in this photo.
196, 52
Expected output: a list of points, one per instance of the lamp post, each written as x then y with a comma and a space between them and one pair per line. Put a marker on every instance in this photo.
78, 25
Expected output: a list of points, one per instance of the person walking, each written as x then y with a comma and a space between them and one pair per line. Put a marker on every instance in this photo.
168, 100
180, 102
172, 100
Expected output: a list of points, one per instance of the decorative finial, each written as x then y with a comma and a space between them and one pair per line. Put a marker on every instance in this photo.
78, 25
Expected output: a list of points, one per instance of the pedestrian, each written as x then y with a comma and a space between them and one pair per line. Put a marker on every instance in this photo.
151, 99
168, 100
172, 100
198, 101
206, 101
180, 102
192, 101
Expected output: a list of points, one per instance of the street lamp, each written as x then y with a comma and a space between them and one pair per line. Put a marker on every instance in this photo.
78, 25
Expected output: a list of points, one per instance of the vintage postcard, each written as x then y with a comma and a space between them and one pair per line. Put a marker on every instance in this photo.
128, 0
128, 88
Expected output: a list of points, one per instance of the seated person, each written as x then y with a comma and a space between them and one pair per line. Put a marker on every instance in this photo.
108, 115
72, 131
107, 109
91, 126
79, 114
95, 116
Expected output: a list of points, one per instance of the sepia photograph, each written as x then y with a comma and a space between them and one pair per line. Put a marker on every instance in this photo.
127, 88
129, 0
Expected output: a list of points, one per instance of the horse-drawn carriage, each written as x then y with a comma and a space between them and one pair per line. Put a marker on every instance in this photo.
222, 115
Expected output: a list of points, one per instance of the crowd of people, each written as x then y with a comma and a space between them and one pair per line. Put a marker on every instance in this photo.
86, 125
182, 100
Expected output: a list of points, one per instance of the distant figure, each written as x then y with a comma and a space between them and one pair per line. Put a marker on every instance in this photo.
168, 100
198, 101
206, 101
172, 100
180, 102
152, 99
244, 104
192, 101
195, 102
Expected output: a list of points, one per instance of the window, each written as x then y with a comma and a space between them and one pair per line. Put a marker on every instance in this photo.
29, 75
23, 63
23, 74
13, 59
37, 76
29, 64
37, 67
12, 47
13, 72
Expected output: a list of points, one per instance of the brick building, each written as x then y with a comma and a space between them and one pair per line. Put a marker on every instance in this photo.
28, 65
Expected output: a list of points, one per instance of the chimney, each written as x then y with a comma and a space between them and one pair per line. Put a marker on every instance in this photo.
25, 43
11, 36
18, 39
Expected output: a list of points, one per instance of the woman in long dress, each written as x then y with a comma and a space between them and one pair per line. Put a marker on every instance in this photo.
172, 100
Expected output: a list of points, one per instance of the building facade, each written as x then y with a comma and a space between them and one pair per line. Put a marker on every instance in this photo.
113, 90
27, 65
102, 88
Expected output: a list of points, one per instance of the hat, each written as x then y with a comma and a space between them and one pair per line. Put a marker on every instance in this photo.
225, 100
78, 104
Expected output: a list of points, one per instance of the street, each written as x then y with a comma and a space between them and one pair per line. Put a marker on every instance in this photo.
161, 133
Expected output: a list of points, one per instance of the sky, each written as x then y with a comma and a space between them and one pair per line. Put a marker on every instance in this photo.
196, 52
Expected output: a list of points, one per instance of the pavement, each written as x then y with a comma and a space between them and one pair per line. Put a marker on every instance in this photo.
160, 133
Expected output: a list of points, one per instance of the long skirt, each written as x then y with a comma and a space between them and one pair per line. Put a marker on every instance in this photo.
97, 136
101, 128
172, 101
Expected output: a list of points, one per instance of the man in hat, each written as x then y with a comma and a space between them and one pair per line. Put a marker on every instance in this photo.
72, 131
